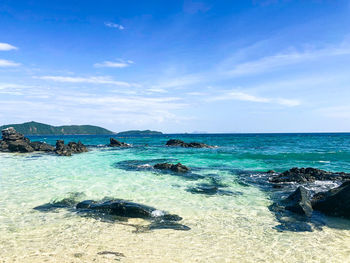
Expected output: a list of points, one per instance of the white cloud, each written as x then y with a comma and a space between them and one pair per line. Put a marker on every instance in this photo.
8, 63
6, 47
114, 64
242, 96
114, 25
284, 59
157, 90
91, 80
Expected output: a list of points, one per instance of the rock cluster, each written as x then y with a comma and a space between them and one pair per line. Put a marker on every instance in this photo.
13, 141
115, 143
335, 202
304, 175
179, 143
70, 148
178, 168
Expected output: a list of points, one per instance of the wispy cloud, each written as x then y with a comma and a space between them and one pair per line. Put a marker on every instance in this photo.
89, 107
114, 25
114, 64
8, 63
6, 47
277, 61
91, 80
243, 96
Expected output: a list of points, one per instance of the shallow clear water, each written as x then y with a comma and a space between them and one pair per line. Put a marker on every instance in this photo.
233, 227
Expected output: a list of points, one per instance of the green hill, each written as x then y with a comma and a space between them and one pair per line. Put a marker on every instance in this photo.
36, 128
138, 132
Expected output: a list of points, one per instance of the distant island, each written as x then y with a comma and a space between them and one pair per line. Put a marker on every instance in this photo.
138, 132
36, 128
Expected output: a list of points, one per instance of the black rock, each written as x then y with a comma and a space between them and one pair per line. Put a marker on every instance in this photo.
19, 146
68, 150
111, 210
41, 146
13, 141
10, 134
77, 147
115, 143
3, 146
299, 202
178, 168
67, 202
62, 149
179, 143
335, 202
125, 208
304, 175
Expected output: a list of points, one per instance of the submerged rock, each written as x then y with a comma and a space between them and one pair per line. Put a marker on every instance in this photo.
179, 143
118, 208
67, 202
122, 208
178, 168
304, 175
335, 202
70, 148
207, 189
115, 143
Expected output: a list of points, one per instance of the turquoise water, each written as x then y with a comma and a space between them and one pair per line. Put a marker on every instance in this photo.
234, 226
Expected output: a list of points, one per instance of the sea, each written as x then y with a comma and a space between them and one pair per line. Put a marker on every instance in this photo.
232, 223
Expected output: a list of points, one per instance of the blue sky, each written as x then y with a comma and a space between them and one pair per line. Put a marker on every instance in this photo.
177, 66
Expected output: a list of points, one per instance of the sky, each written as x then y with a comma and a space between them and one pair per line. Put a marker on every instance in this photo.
177, 66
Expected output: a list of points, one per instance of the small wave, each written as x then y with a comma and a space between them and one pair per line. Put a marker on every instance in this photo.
157, 213
324, 161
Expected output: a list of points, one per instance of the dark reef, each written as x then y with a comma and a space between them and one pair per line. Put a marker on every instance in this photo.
13, 141
115, 143
114, 209
179, 143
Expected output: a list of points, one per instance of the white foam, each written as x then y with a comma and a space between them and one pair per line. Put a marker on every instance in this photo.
157, 213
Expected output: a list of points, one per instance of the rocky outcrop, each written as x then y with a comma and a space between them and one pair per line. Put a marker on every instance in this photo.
115, 143
62, 149
70, 148
41, 146
179, 143
335, 202
299, 202
13, 141
304, 175
77, 147
178, 168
